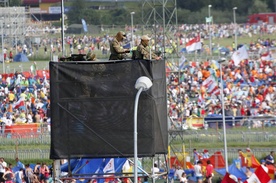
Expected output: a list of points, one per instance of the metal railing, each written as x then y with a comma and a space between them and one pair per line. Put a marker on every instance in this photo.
25, 138
26, 154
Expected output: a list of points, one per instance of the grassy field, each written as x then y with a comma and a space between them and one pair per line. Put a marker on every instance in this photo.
43, 59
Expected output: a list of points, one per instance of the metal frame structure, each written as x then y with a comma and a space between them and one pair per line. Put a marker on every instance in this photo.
14, 24
4, 3
161, 17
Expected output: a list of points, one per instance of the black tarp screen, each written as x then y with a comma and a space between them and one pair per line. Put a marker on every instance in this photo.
92, 109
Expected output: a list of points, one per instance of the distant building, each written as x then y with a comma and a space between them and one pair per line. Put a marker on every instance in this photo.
269, 18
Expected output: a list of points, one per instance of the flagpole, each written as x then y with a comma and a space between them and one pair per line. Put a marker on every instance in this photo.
210, 37
223, 114
235, 27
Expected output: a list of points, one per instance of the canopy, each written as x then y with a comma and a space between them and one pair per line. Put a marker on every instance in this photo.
20, 57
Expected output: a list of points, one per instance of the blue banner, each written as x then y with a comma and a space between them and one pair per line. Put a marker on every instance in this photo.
84, 25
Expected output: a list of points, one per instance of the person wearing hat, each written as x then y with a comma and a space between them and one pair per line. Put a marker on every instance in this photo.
205, 154
143, 50
116, 49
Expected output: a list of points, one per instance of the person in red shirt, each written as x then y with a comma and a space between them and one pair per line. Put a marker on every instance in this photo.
243, 111
209, 171
11, 56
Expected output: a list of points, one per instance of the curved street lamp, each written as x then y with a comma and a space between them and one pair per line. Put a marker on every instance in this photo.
143, 83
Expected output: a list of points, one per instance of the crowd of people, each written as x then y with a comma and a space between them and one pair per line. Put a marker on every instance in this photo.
249, 89
24, 99
21, 173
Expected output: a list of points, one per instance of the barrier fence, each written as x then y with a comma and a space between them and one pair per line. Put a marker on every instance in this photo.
26, 154
216, 122
259, 153
200, 136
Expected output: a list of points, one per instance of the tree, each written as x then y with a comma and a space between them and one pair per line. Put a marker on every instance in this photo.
193, 5
77, 11
14, 2
258, 7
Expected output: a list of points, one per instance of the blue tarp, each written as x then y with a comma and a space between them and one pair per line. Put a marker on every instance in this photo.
20, 57
94, 166
232, 169
73, 163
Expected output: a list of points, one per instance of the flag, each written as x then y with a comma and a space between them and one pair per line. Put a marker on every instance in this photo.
109, 167
227, 179
266, 56
18, 104
259, 176
200, 99
126, 46
209, 81
182, 63
211, 84
239, 55
213, 87
209, 19
194, 44
84, 25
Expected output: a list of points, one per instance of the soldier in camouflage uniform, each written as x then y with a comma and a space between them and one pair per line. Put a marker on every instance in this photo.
117, 51
143, 51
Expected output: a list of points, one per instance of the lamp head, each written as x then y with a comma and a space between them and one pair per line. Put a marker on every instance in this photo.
210, 6
235, 8
143, 82
221, 60
132, 13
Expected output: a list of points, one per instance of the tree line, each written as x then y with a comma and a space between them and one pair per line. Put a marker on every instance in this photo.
188, 11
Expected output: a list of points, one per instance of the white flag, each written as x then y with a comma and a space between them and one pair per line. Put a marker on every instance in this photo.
109, 167
239, 55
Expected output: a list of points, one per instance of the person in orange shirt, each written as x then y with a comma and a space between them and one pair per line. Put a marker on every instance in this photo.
254, 73
9, 109
218, 73
206, 73
203, 71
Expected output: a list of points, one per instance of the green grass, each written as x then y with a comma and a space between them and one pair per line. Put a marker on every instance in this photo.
42, 60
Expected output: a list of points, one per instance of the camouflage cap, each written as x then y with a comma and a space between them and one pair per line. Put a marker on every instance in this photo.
145, 37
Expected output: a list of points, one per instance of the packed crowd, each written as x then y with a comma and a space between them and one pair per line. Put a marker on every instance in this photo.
249, 89
24, 99
20, 172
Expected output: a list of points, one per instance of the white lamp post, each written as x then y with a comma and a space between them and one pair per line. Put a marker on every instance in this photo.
143, 83
62, 28
2, 43
223, 114
132, 41
210, 35
235, 27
